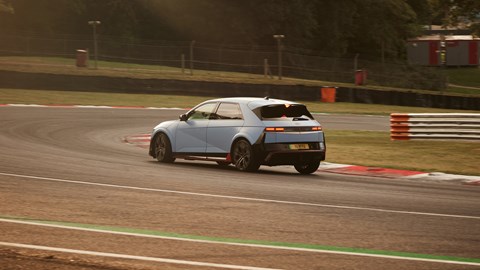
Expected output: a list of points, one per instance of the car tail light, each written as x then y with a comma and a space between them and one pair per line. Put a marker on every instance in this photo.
292, 129
274, 129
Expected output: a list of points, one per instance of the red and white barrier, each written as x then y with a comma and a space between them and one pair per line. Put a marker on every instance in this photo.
462, 126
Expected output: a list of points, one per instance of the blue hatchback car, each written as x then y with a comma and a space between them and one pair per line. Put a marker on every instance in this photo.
245, 132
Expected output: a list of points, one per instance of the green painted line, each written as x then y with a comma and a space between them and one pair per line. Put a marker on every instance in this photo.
307, 247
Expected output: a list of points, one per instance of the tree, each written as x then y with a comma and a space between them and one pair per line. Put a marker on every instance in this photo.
5, 6
335, 28
249, 22
119, 17
423, 10
381, 28
458, 12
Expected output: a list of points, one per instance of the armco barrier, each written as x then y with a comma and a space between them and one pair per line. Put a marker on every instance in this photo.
462, 126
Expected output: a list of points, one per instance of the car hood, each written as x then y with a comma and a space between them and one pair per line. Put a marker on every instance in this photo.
166, 124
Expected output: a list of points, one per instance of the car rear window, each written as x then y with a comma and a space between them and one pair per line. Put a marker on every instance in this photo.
285, 111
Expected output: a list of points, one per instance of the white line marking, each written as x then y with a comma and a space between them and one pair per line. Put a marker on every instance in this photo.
244, 245
241, 198
133, 257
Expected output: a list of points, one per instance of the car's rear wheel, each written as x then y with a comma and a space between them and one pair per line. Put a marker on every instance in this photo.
307, 167
163, 149
243, 156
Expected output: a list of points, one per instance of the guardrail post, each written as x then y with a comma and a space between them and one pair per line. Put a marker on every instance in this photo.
191, 56
183, 63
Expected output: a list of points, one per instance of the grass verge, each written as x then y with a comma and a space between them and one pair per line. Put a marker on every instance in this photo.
375, 149
62, 65
46, 97
464, 76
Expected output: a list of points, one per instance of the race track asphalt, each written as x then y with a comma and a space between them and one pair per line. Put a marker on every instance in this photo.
67, 171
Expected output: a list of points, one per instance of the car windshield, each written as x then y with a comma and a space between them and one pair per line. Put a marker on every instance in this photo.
285, 111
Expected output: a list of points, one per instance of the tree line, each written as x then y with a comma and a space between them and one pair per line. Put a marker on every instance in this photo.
372, 28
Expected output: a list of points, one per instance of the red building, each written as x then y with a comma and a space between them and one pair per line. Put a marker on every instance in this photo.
437, 50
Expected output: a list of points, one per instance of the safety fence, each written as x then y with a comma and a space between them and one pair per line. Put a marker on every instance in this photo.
259, 60
455, 126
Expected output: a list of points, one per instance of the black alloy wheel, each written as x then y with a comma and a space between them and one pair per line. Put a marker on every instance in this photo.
243, 156
163, 149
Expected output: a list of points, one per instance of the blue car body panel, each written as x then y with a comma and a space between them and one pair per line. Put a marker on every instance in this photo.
220, 134
191, 137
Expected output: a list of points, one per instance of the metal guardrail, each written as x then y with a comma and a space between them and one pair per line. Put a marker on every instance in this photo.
459, 126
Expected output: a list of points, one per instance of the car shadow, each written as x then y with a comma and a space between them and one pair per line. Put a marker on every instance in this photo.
263, 170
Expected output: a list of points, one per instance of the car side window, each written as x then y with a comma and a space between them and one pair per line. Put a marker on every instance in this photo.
203, 112
229, 111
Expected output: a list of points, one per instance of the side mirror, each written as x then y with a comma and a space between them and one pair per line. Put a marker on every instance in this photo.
183, 117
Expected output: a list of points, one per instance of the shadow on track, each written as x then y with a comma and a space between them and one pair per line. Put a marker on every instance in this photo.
264, 170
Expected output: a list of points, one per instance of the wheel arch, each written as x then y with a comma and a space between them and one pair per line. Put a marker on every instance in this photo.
250, 133
242, 136
254, 162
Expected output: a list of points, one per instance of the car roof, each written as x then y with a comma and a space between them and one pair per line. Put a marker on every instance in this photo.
253, 102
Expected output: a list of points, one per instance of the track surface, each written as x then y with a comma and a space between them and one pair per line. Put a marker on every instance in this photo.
119, 186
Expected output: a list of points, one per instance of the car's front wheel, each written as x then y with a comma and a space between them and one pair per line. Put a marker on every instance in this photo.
307, 167
243, 156
163, 149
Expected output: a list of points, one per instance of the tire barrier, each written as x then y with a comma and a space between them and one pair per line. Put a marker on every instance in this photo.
447, 126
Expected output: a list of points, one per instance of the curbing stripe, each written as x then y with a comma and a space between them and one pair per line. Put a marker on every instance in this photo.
372, 171
472, 182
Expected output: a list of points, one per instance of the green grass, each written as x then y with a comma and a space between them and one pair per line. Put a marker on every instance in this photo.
58, 65
464, 76
47, 97
463, 90
372, 109
464, 80
375, 149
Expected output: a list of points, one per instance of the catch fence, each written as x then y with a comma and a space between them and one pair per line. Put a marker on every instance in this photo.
190, 56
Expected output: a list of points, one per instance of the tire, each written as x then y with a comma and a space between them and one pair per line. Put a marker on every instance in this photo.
243, 156
308, 168
163, 149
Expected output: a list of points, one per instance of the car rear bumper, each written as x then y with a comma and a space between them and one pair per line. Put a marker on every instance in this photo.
273, 154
